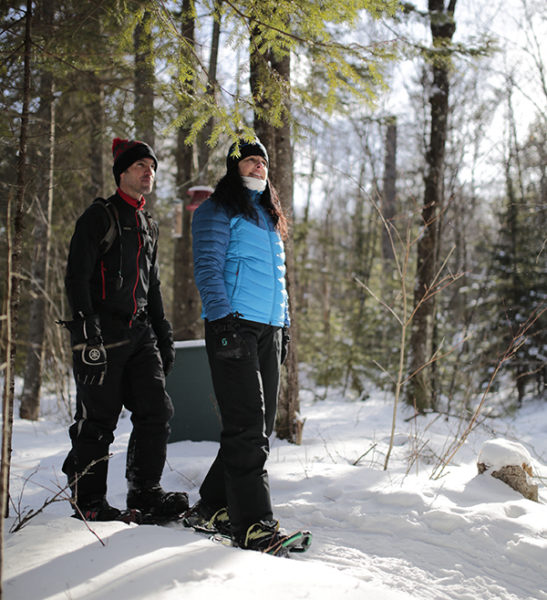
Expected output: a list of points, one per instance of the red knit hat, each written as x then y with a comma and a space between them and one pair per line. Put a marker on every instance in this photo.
126, 152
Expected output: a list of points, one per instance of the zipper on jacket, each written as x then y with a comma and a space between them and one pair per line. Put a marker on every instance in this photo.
264, 217
137, 279
270, 231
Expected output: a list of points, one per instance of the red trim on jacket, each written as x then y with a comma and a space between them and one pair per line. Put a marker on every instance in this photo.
103, 280
137, 205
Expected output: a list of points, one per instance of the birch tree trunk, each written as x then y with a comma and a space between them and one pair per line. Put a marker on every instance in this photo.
12, 287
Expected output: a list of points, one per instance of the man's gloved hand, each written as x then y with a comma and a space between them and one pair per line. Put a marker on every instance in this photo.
167, 351
285, 339
90, 362
166, 345
88, 352
228, 341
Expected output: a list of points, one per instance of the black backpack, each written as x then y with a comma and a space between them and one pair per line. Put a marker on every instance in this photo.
114, 227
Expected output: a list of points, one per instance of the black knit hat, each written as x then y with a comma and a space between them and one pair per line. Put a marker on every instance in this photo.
126, 152
254, 148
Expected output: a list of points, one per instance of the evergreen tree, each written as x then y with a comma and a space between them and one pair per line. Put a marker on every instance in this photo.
519, 285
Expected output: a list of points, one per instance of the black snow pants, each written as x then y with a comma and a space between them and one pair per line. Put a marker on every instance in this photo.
246, 391
134, 380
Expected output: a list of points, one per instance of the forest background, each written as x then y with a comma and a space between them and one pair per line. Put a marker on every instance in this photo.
408, 144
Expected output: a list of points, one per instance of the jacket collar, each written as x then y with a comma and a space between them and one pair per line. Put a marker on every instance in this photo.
254, 195
138, 204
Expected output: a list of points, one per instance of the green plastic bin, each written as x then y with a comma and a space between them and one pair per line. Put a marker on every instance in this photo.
189, 384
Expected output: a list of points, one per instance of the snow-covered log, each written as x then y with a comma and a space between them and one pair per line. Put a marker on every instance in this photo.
511, 463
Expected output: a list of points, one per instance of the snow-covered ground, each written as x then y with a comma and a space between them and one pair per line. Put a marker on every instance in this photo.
390, 534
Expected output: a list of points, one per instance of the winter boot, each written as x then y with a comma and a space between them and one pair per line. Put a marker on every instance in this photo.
155, 501
100, 510
264, 536
203, 518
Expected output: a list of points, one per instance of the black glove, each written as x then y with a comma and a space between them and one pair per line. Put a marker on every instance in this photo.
166, 345
228, 341
88, 352
167, 351
285, 339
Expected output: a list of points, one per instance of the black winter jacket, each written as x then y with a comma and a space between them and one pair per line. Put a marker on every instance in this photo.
92, 279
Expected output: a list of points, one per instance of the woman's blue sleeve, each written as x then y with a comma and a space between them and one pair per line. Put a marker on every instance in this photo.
210, 239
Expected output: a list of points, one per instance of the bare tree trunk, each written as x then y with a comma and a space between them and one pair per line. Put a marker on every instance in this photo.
362, 256
515, 197
420, 391
260, 64
144, 87
98, 128
204, 169
325, 278
288, 426
390, 181
30, 399
13, 288
186, 303
301, 243
278, 143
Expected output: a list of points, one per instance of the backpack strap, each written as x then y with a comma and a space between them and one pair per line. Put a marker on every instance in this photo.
149, 225
114, 227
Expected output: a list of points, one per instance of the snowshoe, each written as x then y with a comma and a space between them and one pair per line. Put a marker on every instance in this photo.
206, 520
102, 511
266, 537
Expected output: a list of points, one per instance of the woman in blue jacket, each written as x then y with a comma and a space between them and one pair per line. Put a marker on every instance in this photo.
239, 268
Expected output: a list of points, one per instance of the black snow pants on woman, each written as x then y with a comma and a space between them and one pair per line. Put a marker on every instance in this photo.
246, 390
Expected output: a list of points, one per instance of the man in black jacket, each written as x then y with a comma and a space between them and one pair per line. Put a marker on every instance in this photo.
122, 345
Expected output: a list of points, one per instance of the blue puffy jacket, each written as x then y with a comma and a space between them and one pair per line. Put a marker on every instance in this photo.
239, 265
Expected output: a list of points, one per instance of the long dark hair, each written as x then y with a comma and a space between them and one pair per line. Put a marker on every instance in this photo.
231, 194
